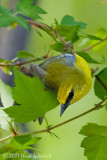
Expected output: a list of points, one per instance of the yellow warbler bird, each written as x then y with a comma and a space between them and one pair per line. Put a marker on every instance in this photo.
67, 74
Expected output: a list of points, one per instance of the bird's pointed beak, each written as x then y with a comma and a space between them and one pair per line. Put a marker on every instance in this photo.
63, 108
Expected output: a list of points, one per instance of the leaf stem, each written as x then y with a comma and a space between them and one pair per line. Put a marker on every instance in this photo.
58, 125
94, 45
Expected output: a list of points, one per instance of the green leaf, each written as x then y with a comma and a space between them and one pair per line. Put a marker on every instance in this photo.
4, 68
100, 70
70, 33
99, 90
104, 60
22, 22
91, 40
7, 18
69, 28
1, 156
23, 54
95, 147
56, 22
88, 58
7, 101
92, 37
95, 143
27, 8
6, 94
34, 100
105, 104
103, 74
101, 33
38, 32
58, 46
7, 69
5, 61
21, 142
69, 21
4, 119
92, 129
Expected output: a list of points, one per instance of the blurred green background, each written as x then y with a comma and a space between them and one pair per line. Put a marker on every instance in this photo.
94, 14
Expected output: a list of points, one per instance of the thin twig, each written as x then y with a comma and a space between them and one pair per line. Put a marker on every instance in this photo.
6, 138
21, 63
94, 45
59, 36
58, 125
40, 25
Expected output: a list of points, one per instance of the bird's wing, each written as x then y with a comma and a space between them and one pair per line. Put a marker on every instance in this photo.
66, 59
36, 70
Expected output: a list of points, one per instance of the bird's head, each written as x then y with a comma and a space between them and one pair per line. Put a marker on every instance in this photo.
72, 89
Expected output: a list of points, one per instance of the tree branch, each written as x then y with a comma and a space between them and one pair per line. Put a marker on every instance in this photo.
58, 125
94, 45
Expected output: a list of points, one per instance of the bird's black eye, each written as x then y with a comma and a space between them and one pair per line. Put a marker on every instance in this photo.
71, 94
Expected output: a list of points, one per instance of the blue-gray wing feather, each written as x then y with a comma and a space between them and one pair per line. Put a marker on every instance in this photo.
66, 59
